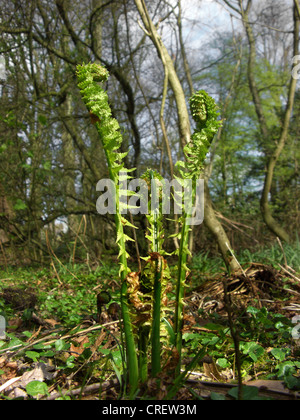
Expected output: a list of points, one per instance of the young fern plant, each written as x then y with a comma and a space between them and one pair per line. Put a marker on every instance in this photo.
205, 114
143, 295
96, 100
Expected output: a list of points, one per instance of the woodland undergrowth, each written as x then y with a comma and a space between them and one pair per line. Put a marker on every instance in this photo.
58, 345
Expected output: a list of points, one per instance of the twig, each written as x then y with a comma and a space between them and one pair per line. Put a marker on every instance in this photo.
223, 388
90, 389
283, 253
234, 257
289, 273
40, 340
233, 222
57, 275
143, 29
9, 383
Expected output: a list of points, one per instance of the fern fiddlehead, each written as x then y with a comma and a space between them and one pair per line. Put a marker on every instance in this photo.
205, 114
96, 100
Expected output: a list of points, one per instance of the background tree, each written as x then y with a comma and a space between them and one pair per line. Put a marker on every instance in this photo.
273, 152
51, 159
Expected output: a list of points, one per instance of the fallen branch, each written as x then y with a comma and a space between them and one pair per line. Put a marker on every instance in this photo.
264, 390
89, 389
289, 273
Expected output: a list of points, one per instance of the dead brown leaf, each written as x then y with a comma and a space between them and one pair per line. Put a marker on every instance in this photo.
77, 350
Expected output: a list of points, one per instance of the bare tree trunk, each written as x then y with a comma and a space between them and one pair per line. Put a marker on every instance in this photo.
264, 202
218, 231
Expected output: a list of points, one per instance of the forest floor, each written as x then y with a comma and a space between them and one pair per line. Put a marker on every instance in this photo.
56, 346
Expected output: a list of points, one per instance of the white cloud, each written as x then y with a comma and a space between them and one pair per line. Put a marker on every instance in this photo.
202, 19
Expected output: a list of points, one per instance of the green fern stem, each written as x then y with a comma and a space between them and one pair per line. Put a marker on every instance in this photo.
156, 321
180, 288
155, 353
155, 220
144, 332
132, 360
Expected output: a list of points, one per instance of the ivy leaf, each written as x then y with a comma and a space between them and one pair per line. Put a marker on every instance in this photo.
217, 397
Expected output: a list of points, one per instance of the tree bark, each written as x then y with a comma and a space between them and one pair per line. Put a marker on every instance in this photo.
264, 202
213, 224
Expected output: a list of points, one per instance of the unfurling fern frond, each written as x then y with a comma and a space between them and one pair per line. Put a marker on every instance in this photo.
205, 114
96, 100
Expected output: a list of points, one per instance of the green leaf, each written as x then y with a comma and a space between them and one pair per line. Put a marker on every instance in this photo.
253, 311
34, 355
20, 205
60, 345
223, 363
127, 223
48, 353
3, 147
285, 369
70, 362
47, 165
35, 388
170, 331
253, 350
127, 238
42, 119
217, 397
280, 354
248, 393
292, 382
